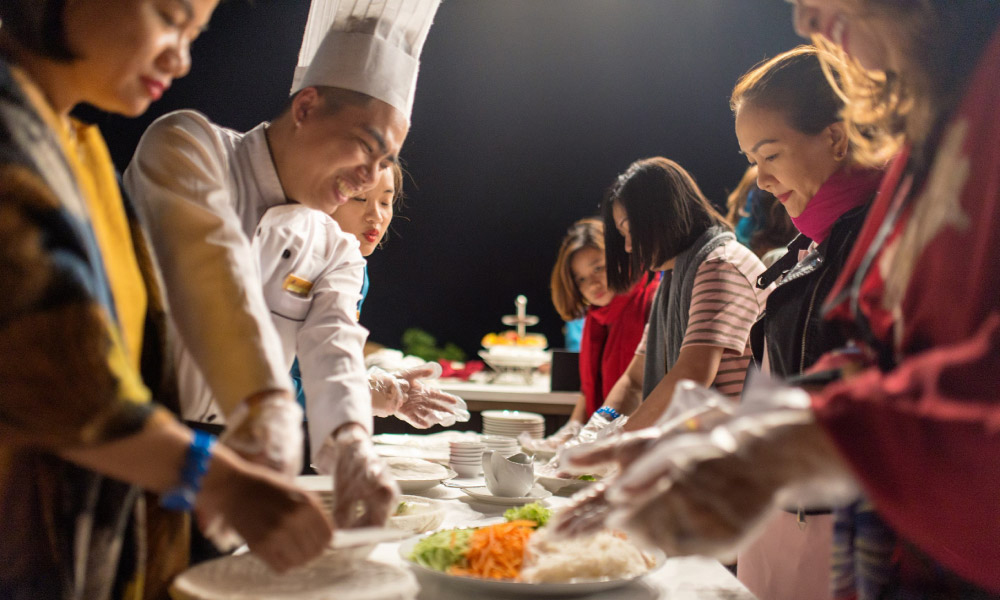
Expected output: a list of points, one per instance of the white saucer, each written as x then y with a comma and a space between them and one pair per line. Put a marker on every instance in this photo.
483, 494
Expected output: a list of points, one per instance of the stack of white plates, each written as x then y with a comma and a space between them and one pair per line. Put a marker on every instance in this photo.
512, 422
466, 458
506, 446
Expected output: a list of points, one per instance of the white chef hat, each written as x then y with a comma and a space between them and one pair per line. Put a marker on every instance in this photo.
368, 46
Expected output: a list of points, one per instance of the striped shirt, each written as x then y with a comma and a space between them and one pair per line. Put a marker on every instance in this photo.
725, 303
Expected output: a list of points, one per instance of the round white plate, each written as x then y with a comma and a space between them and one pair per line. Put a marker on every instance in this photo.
416, 475
527, 360
483, 494
518, 588
564, 486
245, 577
422, 514
512, 415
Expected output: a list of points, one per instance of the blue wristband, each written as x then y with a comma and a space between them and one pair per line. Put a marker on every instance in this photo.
608, 412
199, 454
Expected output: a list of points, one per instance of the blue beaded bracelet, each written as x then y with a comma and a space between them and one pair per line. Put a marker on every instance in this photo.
609, 412
199, 454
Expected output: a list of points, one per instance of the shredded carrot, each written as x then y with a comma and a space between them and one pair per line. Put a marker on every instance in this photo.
497, 551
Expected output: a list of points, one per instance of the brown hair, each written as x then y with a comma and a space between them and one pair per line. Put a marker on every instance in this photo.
795, 85
566, 296
937, 42
666, 211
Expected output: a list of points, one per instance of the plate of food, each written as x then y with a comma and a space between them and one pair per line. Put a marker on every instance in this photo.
416, 475
416, 515
520, 557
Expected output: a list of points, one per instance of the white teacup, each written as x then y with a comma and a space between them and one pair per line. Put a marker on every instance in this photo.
508, 477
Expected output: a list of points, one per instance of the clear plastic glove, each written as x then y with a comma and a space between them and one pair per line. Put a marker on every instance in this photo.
706, 493
364, 489
424, 405
552, 443
388, 392
283, 525
268, 432
694, 408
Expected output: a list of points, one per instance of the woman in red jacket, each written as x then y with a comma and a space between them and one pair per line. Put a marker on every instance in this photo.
613, 322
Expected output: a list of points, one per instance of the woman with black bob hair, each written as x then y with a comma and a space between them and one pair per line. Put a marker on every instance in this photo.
85, 390
657, 219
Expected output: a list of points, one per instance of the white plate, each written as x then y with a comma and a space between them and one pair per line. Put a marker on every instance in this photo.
423, 514
517, 588
561, 485
513, 415
527, 361
483, 494
416, 475
245, 577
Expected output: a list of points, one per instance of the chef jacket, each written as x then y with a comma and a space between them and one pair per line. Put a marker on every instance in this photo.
202, 191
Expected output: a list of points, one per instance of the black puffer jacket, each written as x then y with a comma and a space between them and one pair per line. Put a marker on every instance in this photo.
791, 324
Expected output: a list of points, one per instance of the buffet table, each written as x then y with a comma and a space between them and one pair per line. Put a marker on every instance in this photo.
533, 397
678, 579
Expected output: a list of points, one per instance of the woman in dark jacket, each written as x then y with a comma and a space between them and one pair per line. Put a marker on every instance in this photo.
788, 124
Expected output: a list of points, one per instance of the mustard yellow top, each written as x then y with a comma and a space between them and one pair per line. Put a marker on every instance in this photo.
91, 163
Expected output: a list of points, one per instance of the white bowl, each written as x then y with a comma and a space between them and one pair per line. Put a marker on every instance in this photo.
466, 471
421, 514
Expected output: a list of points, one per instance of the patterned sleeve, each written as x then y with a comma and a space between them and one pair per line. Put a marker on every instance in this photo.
724, 306
64, 375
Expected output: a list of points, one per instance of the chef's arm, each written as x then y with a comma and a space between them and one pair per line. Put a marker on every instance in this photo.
626, 394
330, 348
699, 363
179, 181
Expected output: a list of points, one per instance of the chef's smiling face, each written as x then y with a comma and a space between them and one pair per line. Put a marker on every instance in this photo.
368, 216
129, 51
341, 154
587, 267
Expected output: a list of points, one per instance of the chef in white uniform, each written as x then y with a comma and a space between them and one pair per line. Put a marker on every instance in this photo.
204, 190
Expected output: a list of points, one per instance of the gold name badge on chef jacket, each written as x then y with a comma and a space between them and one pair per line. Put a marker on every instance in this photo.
297, 285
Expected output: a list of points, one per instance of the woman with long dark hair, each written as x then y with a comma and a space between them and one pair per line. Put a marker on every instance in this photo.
657, 219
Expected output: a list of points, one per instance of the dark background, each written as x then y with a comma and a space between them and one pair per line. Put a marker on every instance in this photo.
525, 112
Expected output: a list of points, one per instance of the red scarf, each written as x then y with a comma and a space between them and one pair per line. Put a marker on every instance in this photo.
610, 336
842, 191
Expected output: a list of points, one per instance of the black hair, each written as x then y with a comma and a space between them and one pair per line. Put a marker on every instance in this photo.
334, 99
38, 25
666, 211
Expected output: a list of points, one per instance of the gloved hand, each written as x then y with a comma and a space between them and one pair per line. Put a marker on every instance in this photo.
267, 430
388, 392
424, 405
552, 443
597, 423
283, 525
694, 409
705, 493
365, 492
405, 396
